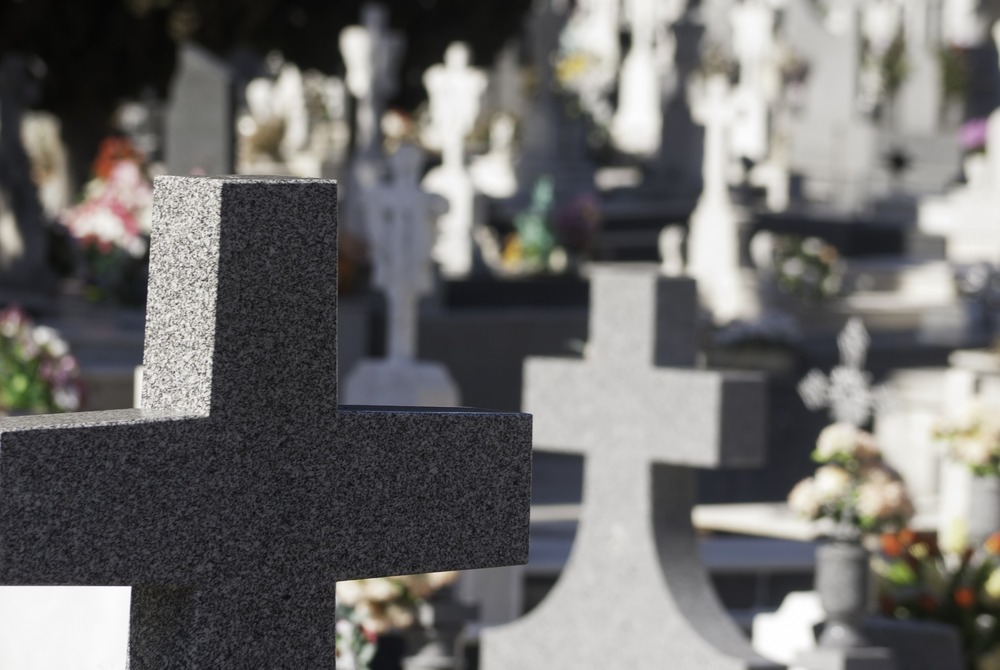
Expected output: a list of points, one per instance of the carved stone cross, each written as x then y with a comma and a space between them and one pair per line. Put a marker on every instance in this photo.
239, 493
634, 593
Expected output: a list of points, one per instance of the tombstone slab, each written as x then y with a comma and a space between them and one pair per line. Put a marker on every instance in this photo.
200, 125
634, 593
239, 492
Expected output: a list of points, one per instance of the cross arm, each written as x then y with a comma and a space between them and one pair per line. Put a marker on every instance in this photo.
84, 497
433, 490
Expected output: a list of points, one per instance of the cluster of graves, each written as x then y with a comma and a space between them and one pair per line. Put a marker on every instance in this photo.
760, 172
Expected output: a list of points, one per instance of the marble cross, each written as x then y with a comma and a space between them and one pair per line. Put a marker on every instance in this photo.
239, 492
848, 391
400, 219
634, 593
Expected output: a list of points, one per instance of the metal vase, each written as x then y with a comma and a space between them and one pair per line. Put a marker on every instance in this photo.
842, 581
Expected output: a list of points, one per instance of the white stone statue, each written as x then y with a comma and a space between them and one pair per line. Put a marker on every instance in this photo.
399, 217
713, 243
493, 173
637, 125
455, 90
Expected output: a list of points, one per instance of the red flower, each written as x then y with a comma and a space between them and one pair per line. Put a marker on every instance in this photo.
927, 603
965, 597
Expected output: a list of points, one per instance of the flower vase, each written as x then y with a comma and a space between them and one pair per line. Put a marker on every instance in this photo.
984, 508
842, 582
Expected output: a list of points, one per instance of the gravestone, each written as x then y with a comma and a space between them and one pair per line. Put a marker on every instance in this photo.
832, 144
920, 99
454, 91
23, 246
239, 493
399, 217
372, 55
199, 122
551, 144
713, 238
634, 593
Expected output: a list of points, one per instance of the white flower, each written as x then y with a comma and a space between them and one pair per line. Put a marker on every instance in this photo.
380, 589
803, 499
836, 439
67, 397
349, 592
832, 483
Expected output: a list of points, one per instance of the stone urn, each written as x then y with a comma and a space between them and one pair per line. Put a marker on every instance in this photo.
842, 582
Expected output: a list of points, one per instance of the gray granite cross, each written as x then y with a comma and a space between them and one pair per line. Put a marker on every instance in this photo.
239, 492
634, 593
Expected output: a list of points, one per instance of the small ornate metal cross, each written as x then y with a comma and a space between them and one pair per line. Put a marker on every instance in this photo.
848, 391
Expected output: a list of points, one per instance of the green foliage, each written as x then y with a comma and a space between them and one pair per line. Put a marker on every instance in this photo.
954, 73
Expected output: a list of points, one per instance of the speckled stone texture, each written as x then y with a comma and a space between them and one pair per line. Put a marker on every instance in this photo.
239, 493
634, 593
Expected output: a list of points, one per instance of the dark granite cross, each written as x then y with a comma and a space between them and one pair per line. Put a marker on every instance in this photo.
634, 593
240, 492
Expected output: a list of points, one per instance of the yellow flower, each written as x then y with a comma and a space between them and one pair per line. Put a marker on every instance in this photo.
992, 587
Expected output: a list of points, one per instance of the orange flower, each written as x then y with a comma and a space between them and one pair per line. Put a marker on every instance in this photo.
907, 537
993, 544
965, 597
891, 545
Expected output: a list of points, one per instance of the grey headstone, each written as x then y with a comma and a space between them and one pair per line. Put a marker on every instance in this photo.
200, 124
634, 593
239, 492
832, 144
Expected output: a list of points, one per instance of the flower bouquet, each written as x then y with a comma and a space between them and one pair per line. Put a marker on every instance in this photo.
807, 268
111, 225
37, 372
972, 437
367, 608
947, 582
853, 489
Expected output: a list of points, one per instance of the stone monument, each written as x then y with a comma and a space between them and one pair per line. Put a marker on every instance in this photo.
454, 91
239, 492
399, 217
713, 238
634, 593
200, 126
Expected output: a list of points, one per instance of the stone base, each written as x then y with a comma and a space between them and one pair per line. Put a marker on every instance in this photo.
864, 658
404, 383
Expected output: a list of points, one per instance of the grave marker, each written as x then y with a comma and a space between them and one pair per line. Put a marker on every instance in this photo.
454, 90
713, 237
200, 126
399, 217
239, 492
634, 593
